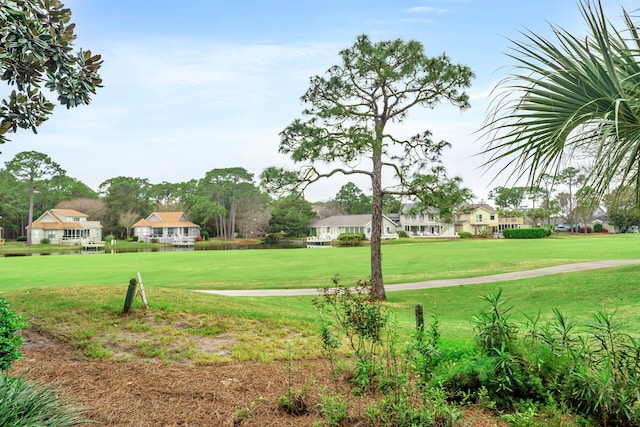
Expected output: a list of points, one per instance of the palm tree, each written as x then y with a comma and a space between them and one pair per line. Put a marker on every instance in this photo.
570, 97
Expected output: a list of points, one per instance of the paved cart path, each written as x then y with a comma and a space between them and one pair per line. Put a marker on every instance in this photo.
558, 269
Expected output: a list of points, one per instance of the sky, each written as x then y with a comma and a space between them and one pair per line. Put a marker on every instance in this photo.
197, 85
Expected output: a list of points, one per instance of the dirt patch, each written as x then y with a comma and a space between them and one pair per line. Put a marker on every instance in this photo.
135, 393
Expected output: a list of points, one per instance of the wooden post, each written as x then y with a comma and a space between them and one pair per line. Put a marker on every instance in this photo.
142, 294
419, 318
131, 293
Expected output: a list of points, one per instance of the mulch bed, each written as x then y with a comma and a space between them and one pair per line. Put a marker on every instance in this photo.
159, 394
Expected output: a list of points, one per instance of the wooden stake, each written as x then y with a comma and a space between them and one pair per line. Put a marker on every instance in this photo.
141, 291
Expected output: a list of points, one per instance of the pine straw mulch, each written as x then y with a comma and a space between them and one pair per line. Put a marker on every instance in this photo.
137, 393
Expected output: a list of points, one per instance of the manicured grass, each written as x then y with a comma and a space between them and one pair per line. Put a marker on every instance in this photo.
261, 328
307, 268
74, 297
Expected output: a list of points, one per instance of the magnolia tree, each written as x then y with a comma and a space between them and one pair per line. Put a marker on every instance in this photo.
348, 123
36, 49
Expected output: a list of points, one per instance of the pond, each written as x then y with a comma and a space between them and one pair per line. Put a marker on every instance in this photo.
58, 251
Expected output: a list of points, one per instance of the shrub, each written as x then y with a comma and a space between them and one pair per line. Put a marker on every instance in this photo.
21, 239
134, 238
402, 233
525, 233
597, 228
154, 240
582, 230
350, 239
109, 237
45, 241
465, 235
10, 323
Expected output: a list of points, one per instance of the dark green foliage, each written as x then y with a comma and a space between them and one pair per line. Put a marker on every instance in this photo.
465, 235
350, 239
37, 50
495, 332
21, 239
10, 323
26, 404
291, 215
597, 228
525, 233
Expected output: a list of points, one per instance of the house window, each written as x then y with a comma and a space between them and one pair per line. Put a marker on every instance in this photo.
51, 234
478, 217
76, 219
156, 232
185, 231
171, 231
493, 217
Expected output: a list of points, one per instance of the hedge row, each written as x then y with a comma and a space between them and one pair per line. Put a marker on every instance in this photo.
525, 233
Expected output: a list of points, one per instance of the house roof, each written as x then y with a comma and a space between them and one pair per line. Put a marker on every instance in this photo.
484, 206
68, 212
165, 219
54, 220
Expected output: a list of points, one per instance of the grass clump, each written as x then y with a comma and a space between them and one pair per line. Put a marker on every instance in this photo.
26, 404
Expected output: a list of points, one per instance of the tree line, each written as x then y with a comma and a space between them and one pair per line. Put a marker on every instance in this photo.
226, 202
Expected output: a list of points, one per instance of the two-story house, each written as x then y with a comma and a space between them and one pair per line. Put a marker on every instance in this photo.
425, 223
483, 219
66, 226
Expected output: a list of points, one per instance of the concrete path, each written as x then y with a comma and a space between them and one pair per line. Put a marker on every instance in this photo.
559, 269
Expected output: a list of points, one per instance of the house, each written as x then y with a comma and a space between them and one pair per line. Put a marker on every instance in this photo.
328, 229
66, 226
424, 224
167, 227
483, 219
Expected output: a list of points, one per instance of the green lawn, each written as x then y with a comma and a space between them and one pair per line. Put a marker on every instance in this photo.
307, 268
75, 297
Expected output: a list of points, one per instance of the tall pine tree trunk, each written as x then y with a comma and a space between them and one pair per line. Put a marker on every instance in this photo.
377, 285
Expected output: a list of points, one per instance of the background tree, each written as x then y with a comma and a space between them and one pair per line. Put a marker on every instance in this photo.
586, 204
37, 48
126, 221
509, 199
349, 119
572, 178
253, 213
60, 188
571, 95
95, 209
125, 194
291, 215
391, 204
33, 168
352, 200
14, 205
224, 187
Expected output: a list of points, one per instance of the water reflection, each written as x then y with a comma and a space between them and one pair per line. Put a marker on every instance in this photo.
152, 249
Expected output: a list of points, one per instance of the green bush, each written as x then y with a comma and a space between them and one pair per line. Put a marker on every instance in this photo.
21, 239
109, 237
525, 233
45, 241
350, 239
402, 233
465, 235
597, 227
10, 323
26, 404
